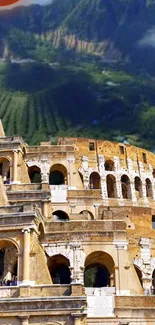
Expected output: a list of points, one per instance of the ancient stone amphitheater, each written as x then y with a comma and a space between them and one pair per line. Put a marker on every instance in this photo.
77, 233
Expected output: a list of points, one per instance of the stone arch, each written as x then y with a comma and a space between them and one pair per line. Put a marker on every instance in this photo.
58, 175
9, 252
139, 274
60, 215
5, 163
149, 190
34, 174
138, 187
99, 270
153, 281
41, 231
109, 165
126, 187
153, 221
59, 268
94, 181
111, 186
81, 177
87, 214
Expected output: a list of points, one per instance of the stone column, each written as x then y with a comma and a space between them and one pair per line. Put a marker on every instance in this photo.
120, 280
14, 167
77, 319
144, 192
26, 255
133, 192
119, 188
104, 188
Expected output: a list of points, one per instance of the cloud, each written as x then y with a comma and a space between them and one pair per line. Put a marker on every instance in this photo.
148, 39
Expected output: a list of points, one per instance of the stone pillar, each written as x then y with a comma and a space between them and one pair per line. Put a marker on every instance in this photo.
120, 280
119, 188
45, 209
104, 188
71, 161
133, 192
78, 263
116, 164
77, 319
26, 256
45, 167
144, 192
14, 167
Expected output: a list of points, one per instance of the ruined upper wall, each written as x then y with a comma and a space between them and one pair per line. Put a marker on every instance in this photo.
109, 149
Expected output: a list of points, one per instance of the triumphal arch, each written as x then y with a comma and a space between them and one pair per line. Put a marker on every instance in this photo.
77, 233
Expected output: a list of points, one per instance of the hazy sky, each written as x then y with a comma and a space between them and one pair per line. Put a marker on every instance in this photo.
25, 2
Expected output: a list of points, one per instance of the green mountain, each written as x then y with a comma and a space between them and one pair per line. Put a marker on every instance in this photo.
79, 68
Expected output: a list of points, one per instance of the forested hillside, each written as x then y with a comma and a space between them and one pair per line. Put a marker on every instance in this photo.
79, 68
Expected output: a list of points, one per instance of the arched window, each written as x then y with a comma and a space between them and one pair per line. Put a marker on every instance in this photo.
139, 274
34, 174
138, 187
94, 181
149, 192
126, 190
99, 270
96, 276
60, 215
153, 282
87, 215
58, 175
109, 165
59, 269
8, 263
153, 222
5, 170
111, 186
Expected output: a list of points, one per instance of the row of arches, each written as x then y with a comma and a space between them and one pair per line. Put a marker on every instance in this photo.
58, 176
99, 268
126, 187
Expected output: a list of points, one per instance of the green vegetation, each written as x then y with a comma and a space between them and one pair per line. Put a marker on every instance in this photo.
63, 92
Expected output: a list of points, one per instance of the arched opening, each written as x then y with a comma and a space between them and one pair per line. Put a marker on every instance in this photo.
94, 181
87, 215
58, 175
34, 174
5, 170
126, 190
139, 274
59, 269
8, 263
149, 191
153, 282
60, 215
41, 232
153, 221
109, 165
111, 186
138, 187
99, 270
81, 177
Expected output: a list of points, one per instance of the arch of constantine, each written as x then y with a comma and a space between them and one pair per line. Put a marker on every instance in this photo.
77, 233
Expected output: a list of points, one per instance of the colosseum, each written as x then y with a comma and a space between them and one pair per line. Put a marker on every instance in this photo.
77, 233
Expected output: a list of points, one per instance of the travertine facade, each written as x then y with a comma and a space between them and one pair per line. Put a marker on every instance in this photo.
77, 233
